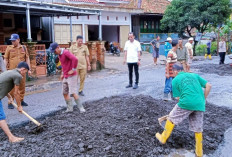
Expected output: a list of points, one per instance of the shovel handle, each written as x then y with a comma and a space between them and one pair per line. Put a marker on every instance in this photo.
28, 116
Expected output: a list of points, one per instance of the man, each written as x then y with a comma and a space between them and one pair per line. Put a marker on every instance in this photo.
2, 64
222, 50
82, 53
189, 48
208, 49
168, 46
9, 80
68, 76
132, 58
15, 54
182, 54
187, 87
155, 44
171, 59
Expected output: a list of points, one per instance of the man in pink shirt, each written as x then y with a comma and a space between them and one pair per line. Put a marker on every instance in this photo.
69, 76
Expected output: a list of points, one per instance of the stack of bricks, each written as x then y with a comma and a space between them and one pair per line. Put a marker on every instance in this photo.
92, 46
101, 55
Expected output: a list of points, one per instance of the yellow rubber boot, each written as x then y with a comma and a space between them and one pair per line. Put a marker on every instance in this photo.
210, 57
199, 147
205, 56
166, 133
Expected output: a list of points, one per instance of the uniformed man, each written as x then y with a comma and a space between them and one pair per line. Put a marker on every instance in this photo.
15, 54
82, 53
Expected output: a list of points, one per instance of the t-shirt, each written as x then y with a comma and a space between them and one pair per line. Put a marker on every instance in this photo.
182, 54
189, 47
167, 48
80, 52
171, 59
68, 62
132, 48
188, 87
222, 46
208, 44
8, 80
156, 44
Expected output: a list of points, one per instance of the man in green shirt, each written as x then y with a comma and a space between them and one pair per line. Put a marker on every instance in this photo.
9, 80
187, 87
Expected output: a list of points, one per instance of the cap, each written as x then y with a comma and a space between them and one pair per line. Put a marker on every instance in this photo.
190, 39
169, 39
14, 37
23, 65
174, 42
53, 46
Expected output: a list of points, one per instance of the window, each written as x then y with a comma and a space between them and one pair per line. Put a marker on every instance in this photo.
149, 25
7, 22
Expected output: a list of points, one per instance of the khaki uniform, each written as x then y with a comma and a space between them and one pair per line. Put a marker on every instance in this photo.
14, 56
81, 53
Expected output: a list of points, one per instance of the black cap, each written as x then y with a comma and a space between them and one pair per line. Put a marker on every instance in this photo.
53, 46
23, 65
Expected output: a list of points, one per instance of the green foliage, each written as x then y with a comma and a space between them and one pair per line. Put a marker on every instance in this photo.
201, 50
183, 15
213, 48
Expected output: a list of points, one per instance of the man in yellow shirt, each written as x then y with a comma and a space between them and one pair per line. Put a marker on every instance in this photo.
82, 53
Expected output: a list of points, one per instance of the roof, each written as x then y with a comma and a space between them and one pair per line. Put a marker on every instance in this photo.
99, 1
85, 1
150, 6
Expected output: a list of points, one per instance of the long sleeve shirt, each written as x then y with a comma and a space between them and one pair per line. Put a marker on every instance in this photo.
68, 62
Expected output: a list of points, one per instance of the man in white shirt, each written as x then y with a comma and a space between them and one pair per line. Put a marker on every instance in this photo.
132, 51
189, 48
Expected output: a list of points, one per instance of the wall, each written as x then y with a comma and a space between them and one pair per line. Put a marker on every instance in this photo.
124, 30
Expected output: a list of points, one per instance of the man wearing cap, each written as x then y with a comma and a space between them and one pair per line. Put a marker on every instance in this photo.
69, 76
187, 87
168, 46
81, 51
171, 59
189, 48
9, 80
15, 54
155, 44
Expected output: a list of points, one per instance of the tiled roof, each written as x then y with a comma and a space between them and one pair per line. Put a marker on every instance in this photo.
85, 1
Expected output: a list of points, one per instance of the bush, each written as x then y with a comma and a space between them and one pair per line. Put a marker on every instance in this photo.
213, 49
201, 50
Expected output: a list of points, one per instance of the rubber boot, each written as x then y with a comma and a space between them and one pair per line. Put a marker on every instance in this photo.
165, 97
199, 149
166, 133
210, 57
79, 105
205, 56
69, 105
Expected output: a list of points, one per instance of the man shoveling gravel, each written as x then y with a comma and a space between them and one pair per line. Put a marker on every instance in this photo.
188, 88
9, 80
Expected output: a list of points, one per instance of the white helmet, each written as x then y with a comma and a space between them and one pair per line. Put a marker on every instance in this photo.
169, 39
190, 39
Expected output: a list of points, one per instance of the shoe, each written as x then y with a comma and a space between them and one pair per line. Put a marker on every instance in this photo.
10, 106
128, 86
80, 106
199, 149
135, 86
82, 110
81, 93
165, 97
24, 104
169, 126
69, 106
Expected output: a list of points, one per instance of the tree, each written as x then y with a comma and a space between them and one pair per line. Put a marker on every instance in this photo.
185, 15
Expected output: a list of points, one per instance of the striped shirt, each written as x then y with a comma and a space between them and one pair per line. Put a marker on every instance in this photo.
171, 59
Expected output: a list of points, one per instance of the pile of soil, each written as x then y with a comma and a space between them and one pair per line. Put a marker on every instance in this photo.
115, 126
219, 69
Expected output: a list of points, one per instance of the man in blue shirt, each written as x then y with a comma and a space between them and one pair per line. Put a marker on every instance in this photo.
208, 49
168, 46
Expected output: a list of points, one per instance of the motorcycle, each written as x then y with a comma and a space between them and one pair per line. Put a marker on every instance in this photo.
114, 49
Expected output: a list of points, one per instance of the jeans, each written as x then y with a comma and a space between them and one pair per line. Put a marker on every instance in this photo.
168, 85
136, 68
222, 57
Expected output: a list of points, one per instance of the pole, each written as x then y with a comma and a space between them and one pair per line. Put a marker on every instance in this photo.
52, 30
100, 27
28, 23
71, 29
83, 32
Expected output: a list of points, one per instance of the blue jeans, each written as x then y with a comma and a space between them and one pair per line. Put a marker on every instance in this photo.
168, 85
2, 114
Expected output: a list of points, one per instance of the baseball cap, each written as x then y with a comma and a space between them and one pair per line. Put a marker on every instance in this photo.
53, 46
169, 39
23, 65
14, 37
174, 42
190, 39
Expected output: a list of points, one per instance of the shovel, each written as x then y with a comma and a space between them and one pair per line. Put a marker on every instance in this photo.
35, 130
162, 121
